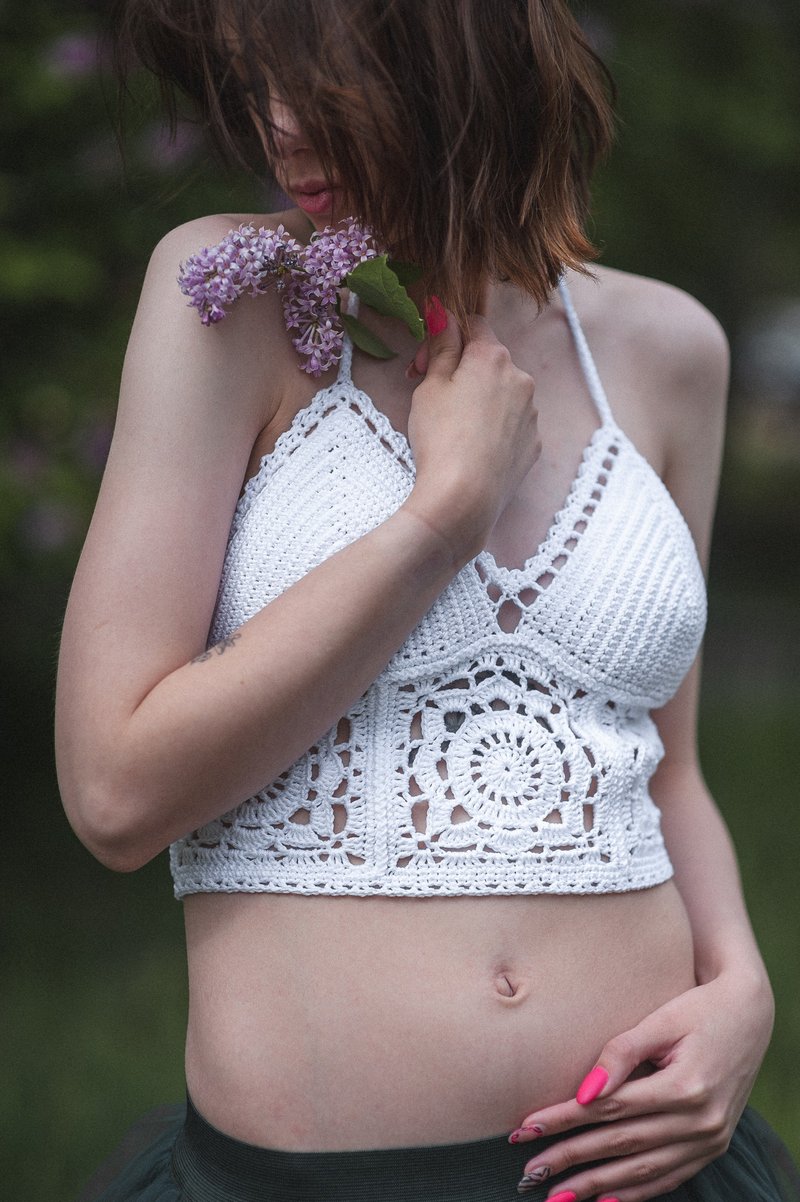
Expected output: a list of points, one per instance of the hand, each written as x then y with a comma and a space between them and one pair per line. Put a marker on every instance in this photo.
473, 431
704, 1048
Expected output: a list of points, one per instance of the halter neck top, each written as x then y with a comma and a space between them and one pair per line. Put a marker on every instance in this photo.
482, 760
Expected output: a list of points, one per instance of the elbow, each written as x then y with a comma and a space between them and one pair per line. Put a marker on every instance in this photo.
110, 803
118, 854
111, 827
112, 841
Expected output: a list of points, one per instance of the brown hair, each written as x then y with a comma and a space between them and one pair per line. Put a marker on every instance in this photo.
464, 131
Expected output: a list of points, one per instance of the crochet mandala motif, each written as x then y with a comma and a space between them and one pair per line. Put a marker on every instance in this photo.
508, 745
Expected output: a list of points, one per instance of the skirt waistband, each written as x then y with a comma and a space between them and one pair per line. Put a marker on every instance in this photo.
208, 1165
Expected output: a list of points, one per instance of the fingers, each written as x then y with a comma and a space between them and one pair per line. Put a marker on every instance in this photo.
444, 343
636, 1179
606, 1143
647, 1095
622, 1056
419, 364
631, 1161
472, 429
441, 354
645, 1043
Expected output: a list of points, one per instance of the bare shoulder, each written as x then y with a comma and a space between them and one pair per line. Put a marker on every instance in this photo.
663, 357
180, 243
191, 236
187, 239
206, 231
665, 332
250, 349
203, 231
664, 361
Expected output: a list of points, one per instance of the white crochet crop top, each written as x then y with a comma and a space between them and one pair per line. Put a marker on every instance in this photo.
480, 761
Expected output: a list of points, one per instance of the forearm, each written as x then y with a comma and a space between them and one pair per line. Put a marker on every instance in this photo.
707, 875
212, 733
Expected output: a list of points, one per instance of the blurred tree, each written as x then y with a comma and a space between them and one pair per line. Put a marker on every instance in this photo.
75, 234
702, 188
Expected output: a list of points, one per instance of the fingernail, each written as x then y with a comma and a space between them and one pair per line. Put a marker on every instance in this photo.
533, 1178
529, 1125
608, 1200
518, 1134
591, 1087
566, 1195
435, 316
538, 1174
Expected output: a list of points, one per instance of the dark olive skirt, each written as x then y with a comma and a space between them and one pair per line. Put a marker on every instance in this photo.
174, 1155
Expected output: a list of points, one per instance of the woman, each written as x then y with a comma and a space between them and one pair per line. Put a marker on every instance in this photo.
454, 911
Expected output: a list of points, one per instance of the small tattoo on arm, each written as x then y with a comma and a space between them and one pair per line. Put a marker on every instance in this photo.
218, 649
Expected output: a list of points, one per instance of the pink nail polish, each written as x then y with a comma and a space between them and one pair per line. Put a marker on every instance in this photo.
566, 1195
519, 1132
592, 1085
435, 316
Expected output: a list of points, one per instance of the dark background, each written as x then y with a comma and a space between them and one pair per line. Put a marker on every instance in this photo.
702, 191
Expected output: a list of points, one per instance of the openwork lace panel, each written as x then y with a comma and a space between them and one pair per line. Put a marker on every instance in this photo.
507, 747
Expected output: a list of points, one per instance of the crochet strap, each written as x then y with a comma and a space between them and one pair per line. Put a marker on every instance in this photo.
588, 366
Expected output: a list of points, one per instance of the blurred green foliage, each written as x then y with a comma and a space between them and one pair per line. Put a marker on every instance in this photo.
702, 188
702, 192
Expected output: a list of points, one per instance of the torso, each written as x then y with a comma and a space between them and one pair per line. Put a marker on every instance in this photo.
323, 1023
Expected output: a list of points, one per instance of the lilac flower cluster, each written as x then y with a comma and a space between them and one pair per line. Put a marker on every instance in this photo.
245, 260
309, 277
309, 299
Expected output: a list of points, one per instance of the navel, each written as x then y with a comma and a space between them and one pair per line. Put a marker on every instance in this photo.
504, 985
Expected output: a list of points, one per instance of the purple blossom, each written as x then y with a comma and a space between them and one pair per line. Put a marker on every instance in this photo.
73, 55
244, 261
164, 151
309, 278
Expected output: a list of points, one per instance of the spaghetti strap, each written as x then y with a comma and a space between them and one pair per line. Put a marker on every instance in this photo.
588, 367
344, 375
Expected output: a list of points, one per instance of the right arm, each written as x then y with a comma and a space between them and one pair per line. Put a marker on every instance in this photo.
150, 744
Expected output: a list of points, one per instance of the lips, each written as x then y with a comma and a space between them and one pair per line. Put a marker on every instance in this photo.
310, 186
313, 196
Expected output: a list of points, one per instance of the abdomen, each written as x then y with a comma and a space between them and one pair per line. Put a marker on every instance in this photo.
355, 1022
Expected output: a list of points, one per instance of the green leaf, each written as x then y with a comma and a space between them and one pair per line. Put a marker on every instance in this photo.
407, 273
364, 338
378, 286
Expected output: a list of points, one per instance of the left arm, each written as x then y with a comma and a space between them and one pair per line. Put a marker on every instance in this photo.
705, 1046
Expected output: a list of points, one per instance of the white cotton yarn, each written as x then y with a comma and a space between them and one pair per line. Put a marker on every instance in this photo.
483, 760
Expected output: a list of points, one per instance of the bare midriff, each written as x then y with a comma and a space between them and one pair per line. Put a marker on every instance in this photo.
331, 1023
